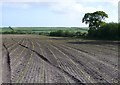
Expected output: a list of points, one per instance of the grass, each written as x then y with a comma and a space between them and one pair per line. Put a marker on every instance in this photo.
44, 29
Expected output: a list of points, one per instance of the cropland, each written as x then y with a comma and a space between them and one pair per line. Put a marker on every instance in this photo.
43, 59
37, 30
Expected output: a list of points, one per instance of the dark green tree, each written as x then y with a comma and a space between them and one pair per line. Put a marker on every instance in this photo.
78, 34
95, 19
11, 28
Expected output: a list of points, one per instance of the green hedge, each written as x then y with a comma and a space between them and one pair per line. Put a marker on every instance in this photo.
67, 33
107, 31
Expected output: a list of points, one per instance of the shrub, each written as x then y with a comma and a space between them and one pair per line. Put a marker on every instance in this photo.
107, 31
67, 33
58, 33
78, 34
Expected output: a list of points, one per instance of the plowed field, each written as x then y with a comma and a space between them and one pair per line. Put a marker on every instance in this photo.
40, 59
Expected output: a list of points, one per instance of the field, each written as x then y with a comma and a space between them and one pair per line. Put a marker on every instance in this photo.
41, 59
43, 29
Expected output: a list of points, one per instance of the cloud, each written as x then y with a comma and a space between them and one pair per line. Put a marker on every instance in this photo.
60, 6
16, 5
111, 1
69, 8
72, 9
72, 2
114, 2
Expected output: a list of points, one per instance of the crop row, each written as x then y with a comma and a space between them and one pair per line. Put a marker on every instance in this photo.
43, 61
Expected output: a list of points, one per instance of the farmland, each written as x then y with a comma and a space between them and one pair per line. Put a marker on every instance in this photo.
42, 29
43, 59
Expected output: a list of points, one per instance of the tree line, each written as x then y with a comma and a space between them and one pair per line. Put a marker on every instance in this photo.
67, 33
98, 28
107, 31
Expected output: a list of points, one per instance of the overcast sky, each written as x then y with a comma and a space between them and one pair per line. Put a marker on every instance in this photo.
53, 12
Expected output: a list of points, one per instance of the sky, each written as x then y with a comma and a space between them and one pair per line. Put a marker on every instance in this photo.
53, 13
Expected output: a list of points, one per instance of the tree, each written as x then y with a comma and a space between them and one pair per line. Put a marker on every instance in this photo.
78, 34
95, 19
11, 28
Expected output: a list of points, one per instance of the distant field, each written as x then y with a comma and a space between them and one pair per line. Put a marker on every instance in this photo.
44, 29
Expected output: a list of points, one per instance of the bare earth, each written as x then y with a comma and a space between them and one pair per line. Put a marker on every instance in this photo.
40, 59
